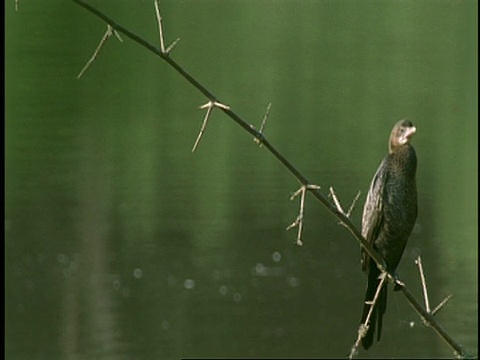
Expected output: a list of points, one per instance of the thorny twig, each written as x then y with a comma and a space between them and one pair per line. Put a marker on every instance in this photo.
299, 220
338, 205
209, 106
418, 261
437, 308
160, 31
262, 126
441, 305
104, 39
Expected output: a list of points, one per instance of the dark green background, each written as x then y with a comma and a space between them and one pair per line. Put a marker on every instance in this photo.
122, 244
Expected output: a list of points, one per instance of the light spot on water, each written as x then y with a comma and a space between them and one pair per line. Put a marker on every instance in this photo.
276, 256
62, 258
189, 284
223, 290
237, 297
259, 269
293, 281
165, 325
137, 273
116, 284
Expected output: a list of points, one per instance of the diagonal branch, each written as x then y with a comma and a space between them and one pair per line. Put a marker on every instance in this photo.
340, 215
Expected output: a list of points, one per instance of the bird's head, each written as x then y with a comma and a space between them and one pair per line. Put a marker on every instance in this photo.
401, 134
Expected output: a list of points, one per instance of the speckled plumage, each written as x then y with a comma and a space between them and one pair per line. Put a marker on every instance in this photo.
388, 218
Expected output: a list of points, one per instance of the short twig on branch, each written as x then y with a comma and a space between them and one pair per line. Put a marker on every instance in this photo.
418, 262
442, 304
104, 39
160, 31
437, 308
299, 220
262, 126
338, 205
209, 106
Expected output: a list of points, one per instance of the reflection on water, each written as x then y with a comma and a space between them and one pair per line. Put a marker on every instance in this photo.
122, 244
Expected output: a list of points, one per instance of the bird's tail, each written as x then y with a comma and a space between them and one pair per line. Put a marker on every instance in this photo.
380, 306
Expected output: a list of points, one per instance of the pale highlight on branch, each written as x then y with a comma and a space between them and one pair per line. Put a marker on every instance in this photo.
339, 207
160, 31
209, 106
423, 280
104, 39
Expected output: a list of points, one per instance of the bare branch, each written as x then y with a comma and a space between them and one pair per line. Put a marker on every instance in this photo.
288, 165
430, 321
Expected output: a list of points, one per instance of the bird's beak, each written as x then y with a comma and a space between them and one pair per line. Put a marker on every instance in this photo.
410, 131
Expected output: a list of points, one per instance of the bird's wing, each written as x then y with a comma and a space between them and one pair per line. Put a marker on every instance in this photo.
372, 219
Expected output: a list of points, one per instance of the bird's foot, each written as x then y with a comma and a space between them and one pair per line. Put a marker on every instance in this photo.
398, 284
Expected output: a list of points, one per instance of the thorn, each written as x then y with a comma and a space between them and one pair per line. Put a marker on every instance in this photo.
117, 35
441, 305
418, 261
172, 45
258, 140
354, 202
104, 39
160, 26
209, 106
